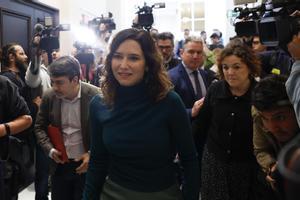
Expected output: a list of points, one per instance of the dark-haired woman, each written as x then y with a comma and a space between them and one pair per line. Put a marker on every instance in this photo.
138, 126
228, 164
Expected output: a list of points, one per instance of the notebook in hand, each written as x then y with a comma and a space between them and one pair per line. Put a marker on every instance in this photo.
57, 140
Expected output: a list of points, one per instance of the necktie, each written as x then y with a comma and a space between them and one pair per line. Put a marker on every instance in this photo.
197, 84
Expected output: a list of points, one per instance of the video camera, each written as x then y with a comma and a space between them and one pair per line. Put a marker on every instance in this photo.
145, 16
108, 23
272, 21
49, 34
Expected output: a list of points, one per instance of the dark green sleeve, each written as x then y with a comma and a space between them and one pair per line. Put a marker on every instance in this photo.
97, 170
181, 131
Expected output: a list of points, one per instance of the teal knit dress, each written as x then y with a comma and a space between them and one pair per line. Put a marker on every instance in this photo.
133, 146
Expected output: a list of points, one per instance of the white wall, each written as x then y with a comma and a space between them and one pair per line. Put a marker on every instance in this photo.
165, 19
215, 17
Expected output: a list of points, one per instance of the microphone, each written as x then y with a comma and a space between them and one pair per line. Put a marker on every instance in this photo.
38, 28
38, 31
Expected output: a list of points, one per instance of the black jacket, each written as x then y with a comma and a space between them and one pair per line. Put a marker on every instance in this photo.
225, 120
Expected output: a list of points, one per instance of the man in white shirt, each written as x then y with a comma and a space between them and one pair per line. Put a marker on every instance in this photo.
190, 81
66, 106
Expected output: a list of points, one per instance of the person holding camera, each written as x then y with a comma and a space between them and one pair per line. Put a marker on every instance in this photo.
274, 124
36, 76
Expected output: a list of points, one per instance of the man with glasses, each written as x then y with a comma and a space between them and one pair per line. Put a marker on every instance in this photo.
165, 43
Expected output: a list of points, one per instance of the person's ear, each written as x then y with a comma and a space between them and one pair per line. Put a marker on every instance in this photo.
181, 52
76, 79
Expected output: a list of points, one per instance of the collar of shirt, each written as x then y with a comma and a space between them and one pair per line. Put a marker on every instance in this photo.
188, 70
225, 93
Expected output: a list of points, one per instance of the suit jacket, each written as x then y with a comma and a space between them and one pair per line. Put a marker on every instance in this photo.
50, 113
183, 85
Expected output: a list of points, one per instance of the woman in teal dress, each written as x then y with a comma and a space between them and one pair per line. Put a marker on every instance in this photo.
138, 126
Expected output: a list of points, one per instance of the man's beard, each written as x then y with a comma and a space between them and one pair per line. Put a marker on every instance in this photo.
22, 66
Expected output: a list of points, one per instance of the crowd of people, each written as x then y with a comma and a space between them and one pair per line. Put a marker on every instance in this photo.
188, 121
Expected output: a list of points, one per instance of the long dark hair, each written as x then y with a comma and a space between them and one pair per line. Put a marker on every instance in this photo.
156, 79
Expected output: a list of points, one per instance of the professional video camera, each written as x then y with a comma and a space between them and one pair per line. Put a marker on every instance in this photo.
145, 16
108, 23
49, 34
272, 21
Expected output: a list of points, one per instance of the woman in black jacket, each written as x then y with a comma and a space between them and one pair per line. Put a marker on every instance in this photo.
225, 123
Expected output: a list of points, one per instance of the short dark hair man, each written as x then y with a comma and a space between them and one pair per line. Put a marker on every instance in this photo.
274, 124
66, 106
165, 44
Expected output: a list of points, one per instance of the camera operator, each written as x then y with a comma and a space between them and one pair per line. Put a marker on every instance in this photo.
274, 125
37, 75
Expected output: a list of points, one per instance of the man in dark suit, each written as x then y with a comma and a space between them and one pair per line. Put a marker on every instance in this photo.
66, 106
190, 81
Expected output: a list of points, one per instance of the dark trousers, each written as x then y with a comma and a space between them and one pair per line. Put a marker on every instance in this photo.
66, 184
41, 174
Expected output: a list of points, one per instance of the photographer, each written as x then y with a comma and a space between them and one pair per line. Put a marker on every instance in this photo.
274, 124
37, 75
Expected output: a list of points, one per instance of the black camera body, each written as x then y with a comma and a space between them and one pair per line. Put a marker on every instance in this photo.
271, 21
49, 35
107, 21
145, 16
